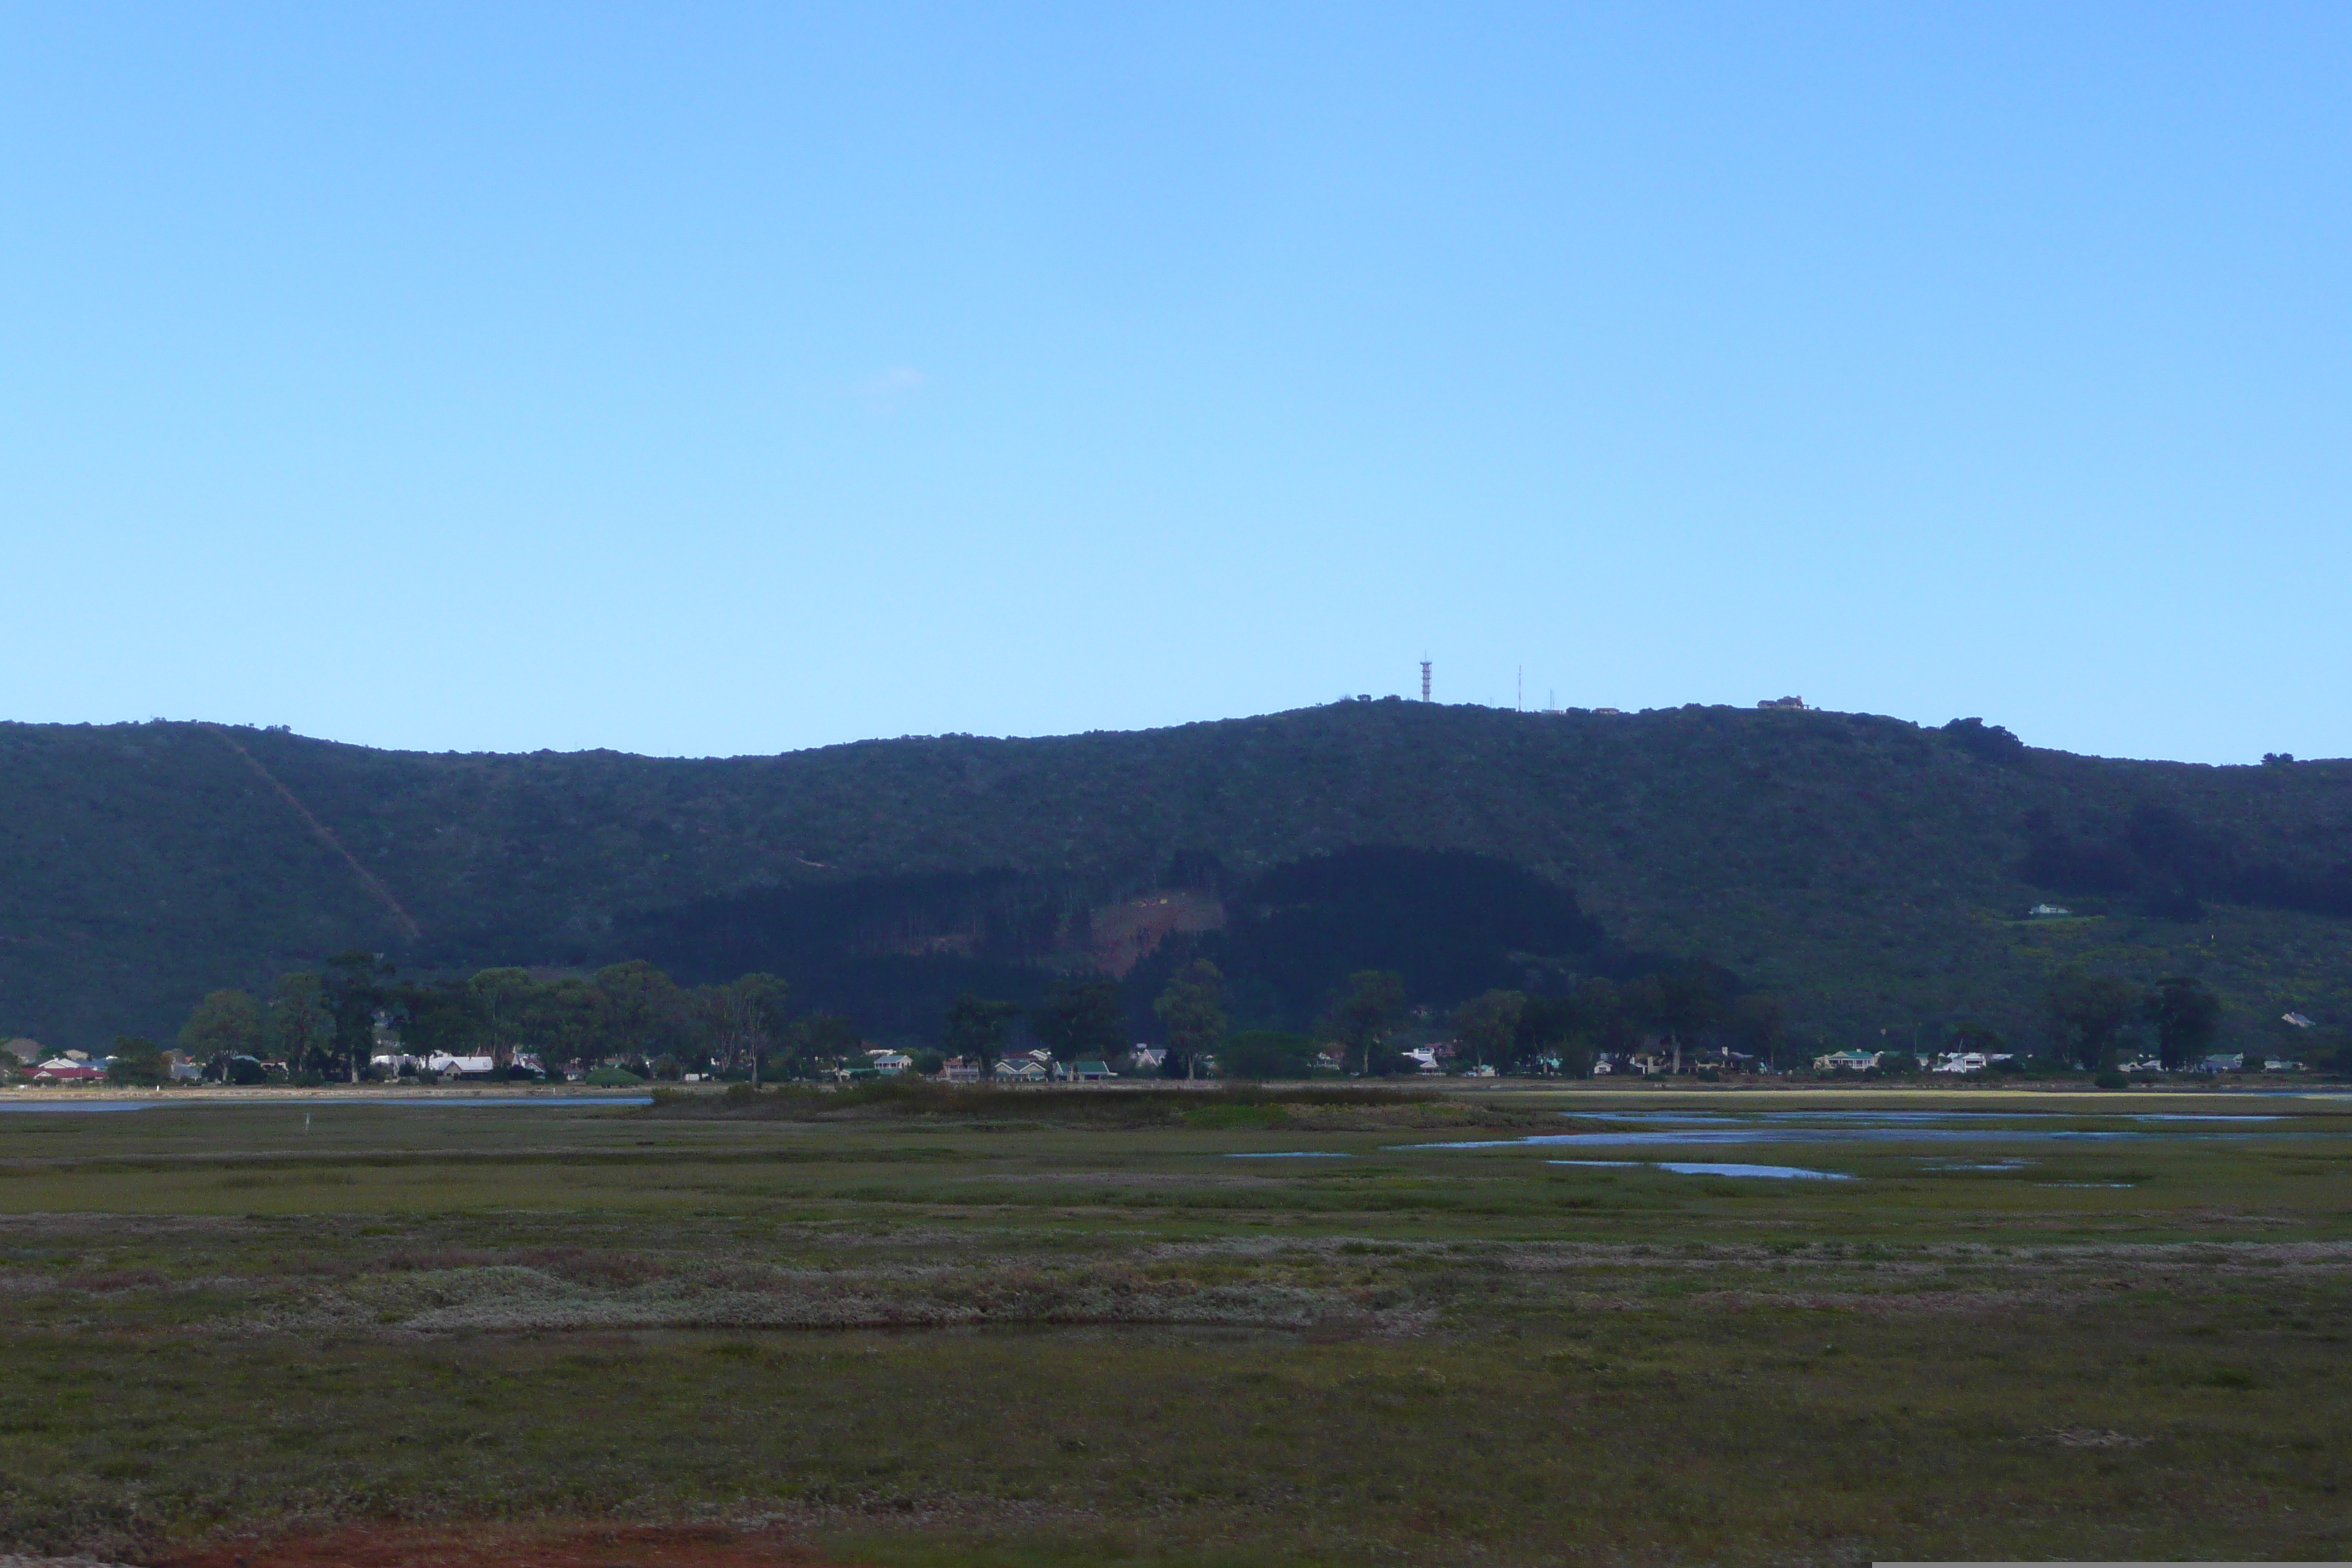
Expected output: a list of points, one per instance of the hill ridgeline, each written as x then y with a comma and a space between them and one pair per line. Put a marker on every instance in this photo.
1873, 874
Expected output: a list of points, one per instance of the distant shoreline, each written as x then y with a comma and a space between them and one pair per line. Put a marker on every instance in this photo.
1576, 1090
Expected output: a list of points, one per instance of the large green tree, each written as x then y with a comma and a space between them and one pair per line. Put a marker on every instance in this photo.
1576, 1029
1362, 1014
1266, 1053
2186, 1014
446, 1016
1080, 1020
826, 1039
298, 1025
642, 1007
138, 1061
977, 1028
357, 987
1487, 1025
1192, 1009
502, 1002
744, 1019
2088, 1014
225, 1024
1757, 1024
565, 1020
1681, 1005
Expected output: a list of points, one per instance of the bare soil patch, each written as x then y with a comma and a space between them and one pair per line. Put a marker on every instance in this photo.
493, 1546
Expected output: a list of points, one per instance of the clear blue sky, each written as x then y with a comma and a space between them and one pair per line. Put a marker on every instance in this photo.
706, 379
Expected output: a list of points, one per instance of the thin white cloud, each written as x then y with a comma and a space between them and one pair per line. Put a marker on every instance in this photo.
889, 387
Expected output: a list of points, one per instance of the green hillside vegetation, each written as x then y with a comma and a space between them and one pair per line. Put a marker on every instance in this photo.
1869, 873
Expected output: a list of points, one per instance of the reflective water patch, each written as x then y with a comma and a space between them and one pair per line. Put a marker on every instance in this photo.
1714, 1168
1756, 1132
1291, 1154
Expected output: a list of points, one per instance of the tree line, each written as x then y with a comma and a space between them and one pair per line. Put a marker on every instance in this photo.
1693, 1008
2092, 1017
322, 1024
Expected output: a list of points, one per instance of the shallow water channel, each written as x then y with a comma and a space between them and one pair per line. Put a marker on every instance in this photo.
1656, 1128
167, 1102
1717, 1168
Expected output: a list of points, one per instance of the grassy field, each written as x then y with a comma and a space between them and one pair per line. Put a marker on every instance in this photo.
1040, 1335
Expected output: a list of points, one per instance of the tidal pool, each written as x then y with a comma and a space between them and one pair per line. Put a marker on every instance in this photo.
1714, 1168
1753, 1132
1291, 1155
1653, 1128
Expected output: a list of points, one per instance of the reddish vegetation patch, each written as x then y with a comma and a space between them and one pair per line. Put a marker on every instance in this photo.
117, 1280
1124, 934
510, 1546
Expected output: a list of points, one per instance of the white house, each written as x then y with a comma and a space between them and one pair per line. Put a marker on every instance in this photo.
442, 1061
1845, 1061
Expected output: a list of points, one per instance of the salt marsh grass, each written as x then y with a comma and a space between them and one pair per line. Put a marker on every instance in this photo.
906, 1341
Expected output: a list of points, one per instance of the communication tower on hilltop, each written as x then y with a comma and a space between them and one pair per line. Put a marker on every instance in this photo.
1424, 680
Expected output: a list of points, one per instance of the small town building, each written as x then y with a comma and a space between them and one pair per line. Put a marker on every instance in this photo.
443, 1062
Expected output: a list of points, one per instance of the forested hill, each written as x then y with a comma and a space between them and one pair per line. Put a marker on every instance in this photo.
1872, 872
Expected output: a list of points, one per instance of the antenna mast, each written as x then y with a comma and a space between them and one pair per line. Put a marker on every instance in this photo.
1424, 680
